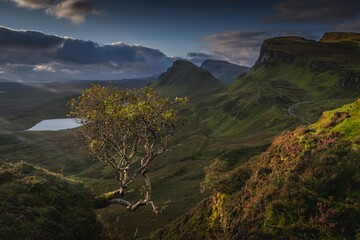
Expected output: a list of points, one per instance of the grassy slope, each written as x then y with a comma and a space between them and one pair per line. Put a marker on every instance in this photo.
37, 204
305, 186
313, 110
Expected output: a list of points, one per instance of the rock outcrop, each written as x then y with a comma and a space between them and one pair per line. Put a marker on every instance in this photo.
322, 66
350, 80
341, 37
268, 56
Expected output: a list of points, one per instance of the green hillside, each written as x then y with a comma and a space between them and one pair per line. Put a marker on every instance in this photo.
289, 70
185, 79
306, 185
37, 204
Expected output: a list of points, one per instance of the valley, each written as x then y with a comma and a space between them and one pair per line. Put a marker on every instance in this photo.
293, 82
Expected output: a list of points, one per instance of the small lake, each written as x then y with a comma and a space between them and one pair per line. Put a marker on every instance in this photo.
55, 125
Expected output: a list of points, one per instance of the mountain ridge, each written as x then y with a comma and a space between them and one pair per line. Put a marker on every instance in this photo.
224, 70
290, 49
341, 37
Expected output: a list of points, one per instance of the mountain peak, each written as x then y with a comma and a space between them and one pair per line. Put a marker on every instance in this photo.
184, 63
184, 78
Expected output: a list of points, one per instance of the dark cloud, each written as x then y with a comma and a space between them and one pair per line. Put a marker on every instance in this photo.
199, 57
117, 54
349, 26
330, 11
243, 47
73, 10
308, 34
87, 52
29, 39
37, 56
237, 47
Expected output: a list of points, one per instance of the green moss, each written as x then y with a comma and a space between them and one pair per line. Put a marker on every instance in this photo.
37, 204
345, 120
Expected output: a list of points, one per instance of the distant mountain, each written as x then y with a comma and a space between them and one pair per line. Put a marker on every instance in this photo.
304, 186
330, 50
184, 78
223, 70
309, 61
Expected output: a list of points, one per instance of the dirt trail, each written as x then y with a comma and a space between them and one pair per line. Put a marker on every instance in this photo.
291, 112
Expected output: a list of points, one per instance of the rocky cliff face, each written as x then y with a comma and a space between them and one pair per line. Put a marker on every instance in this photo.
332, 49
321, 66
333, 54
341, 37
268, 56
350, 80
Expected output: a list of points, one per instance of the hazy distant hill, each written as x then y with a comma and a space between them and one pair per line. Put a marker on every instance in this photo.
223, 70
184, 78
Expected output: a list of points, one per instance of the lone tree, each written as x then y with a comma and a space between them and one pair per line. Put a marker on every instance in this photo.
127, 129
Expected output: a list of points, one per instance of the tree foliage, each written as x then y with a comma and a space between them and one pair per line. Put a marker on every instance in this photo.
216, 179
127, 129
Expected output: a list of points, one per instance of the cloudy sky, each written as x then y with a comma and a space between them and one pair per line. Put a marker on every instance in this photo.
113, 39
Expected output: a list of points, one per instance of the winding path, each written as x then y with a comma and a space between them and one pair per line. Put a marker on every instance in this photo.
291, 111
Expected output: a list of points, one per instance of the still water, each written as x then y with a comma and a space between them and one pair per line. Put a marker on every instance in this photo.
55, 125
